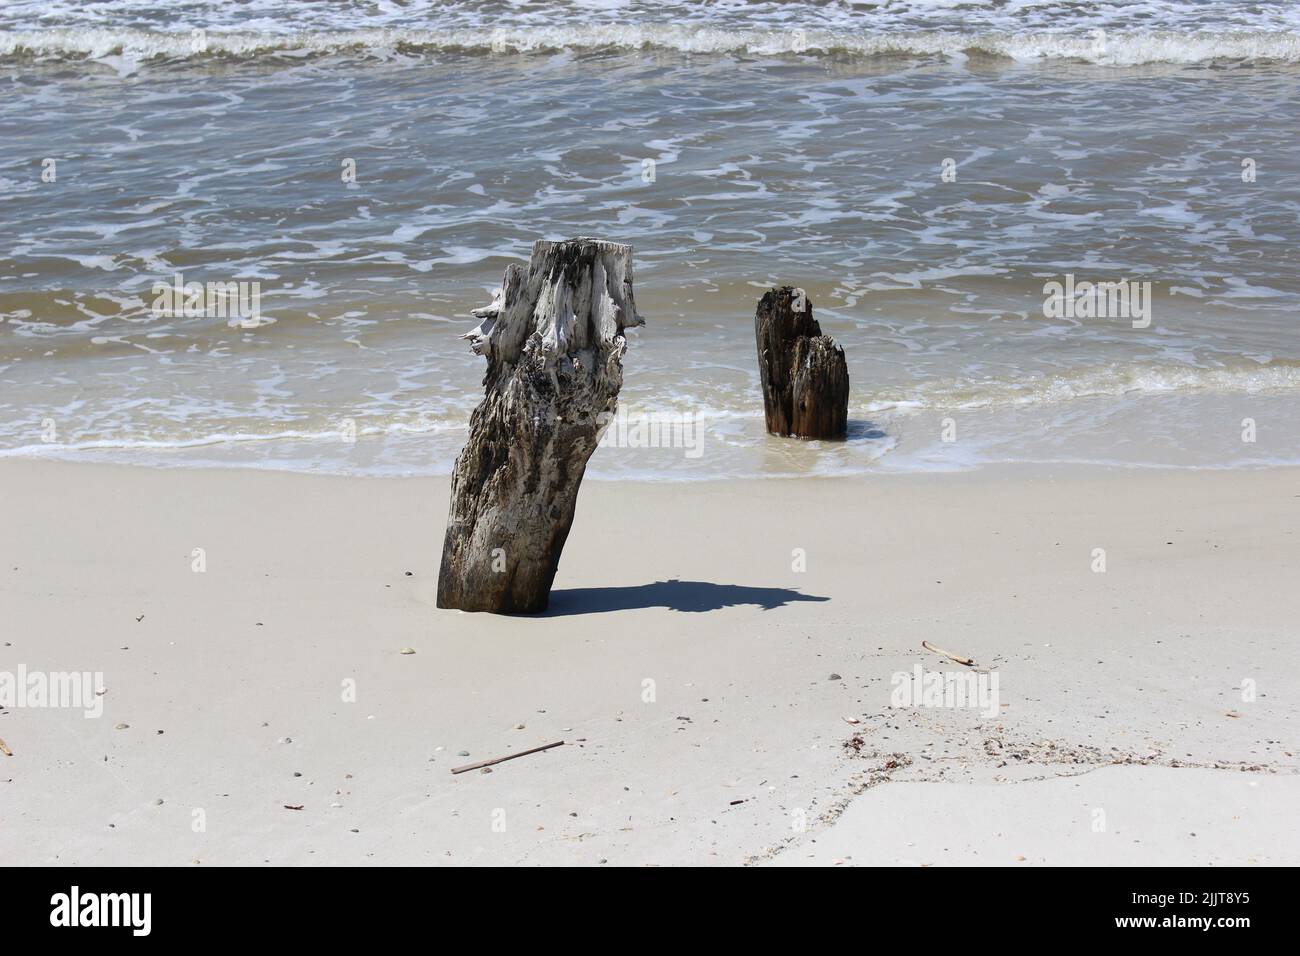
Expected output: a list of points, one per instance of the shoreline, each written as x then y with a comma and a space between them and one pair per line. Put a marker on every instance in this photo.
1130, 677
880, 470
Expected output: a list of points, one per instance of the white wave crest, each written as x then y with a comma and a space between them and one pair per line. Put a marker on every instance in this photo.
1113, 48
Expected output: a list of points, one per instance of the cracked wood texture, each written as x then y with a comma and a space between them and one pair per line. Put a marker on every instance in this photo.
553, 340
803, 374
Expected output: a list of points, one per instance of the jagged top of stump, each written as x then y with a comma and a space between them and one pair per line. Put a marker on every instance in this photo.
779, 303
576, 294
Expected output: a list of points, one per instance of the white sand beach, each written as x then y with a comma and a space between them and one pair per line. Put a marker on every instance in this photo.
225, 736
906, 390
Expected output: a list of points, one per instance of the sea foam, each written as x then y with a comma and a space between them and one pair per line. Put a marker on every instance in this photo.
1108, 48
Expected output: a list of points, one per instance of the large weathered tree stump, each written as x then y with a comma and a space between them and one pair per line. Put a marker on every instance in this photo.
804, 376
553, 339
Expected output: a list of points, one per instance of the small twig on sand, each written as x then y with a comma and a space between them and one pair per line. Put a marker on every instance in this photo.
522, 753
4, 749
966, 661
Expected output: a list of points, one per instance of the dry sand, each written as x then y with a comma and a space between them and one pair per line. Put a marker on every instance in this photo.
1121, 691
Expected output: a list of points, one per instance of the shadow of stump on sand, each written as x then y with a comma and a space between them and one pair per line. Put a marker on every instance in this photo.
690, 596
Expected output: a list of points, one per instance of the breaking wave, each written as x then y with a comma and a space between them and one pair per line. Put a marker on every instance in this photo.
1099, 47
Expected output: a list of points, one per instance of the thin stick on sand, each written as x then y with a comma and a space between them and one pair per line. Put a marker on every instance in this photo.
522, 753
967, 661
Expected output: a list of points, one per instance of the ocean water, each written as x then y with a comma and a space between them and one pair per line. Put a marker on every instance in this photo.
922, 169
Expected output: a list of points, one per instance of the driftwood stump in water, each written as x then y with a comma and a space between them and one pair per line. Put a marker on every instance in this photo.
553, 339
804, 376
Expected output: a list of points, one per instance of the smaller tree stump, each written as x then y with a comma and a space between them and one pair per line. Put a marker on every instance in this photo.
804, 376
